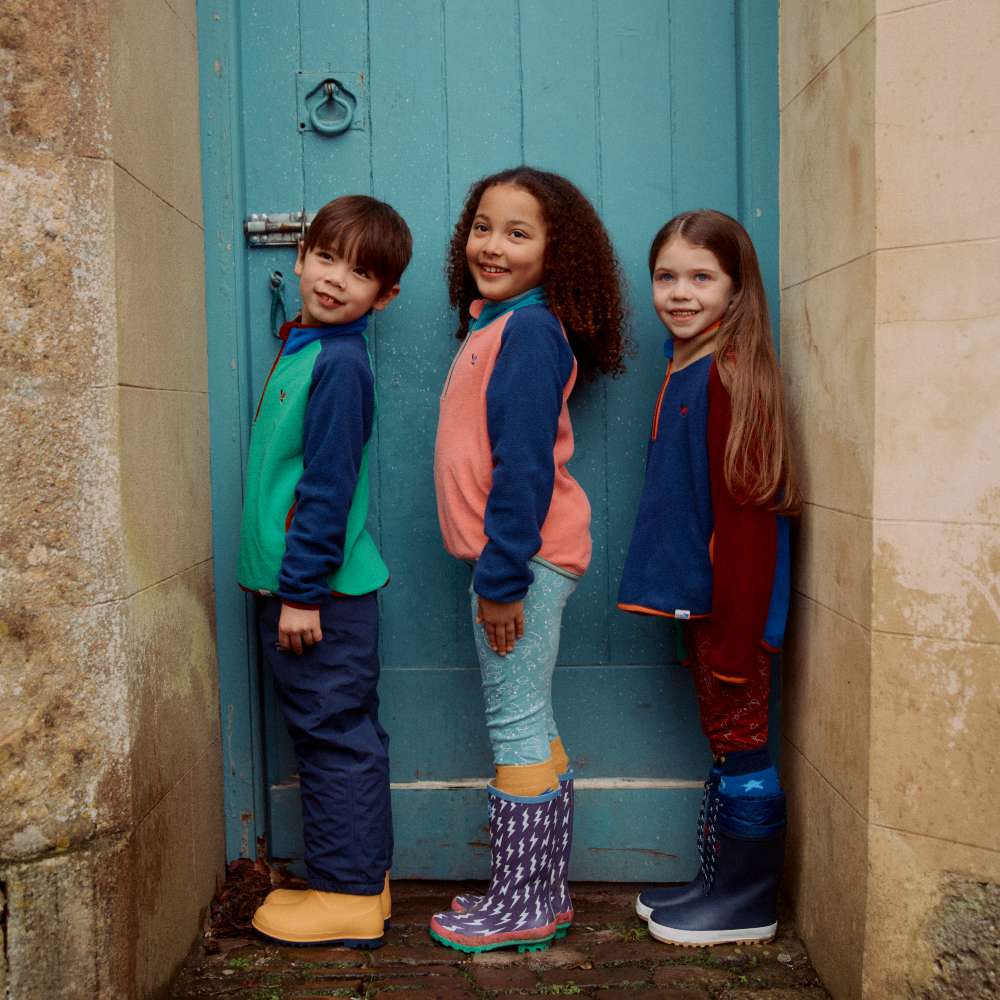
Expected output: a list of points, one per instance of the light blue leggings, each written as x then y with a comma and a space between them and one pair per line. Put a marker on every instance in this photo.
517, 688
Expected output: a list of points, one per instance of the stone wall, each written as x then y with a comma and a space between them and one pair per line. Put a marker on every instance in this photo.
891, 303
110, 824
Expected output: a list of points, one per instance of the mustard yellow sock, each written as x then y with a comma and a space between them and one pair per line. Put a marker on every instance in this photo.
560, 759
526, 779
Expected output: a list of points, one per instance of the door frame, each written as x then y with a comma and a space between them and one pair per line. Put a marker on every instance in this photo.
224, 200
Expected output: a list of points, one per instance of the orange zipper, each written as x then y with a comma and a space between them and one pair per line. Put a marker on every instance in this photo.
659, 401
260, 402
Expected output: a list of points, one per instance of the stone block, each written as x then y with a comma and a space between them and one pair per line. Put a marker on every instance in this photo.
828, 365
812, 33
54, 89
60, 520
64, 734
160, 280
833, 562
948, 284
168, 907
70, 924
826, 874
828, 166
173, 686
937, 580
933, 912
209, 822
935, 714
827, 664
937, 409
165, 482
57, 294
935, 124
154, 99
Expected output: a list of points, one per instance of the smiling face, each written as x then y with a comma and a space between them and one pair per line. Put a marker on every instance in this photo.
335, 289
691, 293
505, 250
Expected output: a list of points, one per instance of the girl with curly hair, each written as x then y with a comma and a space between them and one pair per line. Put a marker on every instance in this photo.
533, 275
710, 548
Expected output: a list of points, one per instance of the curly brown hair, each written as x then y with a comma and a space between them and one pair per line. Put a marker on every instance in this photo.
583, 281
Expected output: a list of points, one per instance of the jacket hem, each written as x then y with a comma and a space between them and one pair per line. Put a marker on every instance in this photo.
641, 609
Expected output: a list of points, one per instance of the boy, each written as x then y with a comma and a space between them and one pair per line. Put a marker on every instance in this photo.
305, 552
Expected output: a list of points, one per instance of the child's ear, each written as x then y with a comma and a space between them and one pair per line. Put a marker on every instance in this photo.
300, 258
385, 298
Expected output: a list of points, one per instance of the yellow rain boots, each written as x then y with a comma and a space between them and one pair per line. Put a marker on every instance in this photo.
283, 896
308, 916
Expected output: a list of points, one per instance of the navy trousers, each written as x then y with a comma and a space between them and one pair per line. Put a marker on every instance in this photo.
329, 700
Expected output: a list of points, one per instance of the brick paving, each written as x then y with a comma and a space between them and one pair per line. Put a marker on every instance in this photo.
608, 954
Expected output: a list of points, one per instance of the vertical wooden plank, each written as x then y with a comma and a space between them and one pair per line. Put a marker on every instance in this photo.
409, 90
483, 103
561, 96
222, 180
758, 109
272, 154
637, 157
484, 93
335, 38
703, 83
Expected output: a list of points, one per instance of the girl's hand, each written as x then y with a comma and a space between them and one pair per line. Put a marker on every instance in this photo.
297, 628
502, 623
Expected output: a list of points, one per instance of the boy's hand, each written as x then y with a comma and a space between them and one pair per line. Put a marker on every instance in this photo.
297, 628
502, 623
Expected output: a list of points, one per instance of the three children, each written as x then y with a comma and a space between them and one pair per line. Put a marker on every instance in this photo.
534, 277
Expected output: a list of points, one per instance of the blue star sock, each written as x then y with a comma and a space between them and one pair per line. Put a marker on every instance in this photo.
749, 774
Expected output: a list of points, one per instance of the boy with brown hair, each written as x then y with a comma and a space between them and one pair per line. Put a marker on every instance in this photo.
305, 553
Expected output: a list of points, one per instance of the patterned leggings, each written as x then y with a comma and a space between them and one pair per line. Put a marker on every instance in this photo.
517, 688
733, 716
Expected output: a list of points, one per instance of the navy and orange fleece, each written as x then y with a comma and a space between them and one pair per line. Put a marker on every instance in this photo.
504, 437
696, 552
303, 534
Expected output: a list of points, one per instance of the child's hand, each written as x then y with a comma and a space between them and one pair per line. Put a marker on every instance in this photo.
502, 623
297, 628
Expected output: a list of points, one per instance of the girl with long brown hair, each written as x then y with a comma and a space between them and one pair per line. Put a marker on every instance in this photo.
537, 287
710, 549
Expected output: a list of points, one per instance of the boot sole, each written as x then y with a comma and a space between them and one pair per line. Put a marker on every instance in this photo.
362, 944
540, 944
705, 939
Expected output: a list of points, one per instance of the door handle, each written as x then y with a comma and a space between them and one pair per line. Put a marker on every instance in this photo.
337, 96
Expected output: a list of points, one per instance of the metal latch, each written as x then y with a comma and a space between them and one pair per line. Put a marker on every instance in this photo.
281, 229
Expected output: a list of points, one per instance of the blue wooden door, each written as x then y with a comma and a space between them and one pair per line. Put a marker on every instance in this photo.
651, 107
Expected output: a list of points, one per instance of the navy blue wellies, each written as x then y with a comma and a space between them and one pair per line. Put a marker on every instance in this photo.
742, 855
651, 899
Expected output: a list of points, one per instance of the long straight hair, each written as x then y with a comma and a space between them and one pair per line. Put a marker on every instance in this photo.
758, 464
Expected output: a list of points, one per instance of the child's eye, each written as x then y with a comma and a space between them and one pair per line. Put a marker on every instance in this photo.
324, 255
479, 227
519, 234
361, 272
702, 276
664, 276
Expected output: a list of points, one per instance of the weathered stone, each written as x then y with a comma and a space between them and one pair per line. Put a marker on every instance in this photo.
57, 285
53, 92
964, 935
64, 736
68, 924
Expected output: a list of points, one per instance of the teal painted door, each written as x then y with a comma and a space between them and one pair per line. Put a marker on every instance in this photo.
649, 106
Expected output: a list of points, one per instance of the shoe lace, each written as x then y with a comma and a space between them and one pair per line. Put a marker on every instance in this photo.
708, 846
